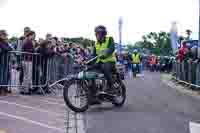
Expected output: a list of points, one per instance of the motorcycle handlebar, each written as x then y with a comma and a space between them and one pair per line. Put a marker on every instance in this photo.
92, 59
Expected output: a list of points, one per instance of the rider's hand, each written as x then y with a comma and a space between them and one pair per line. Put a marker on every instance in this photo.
102, 57
83, 63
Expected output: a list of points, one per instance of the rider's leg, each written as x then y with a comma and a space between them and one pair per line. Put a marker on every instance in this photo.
93, 90
138, 68
107, 70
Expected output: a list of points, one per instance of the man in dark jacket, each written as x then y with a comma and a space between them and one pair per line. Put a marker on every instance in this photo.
41, 62
4, 62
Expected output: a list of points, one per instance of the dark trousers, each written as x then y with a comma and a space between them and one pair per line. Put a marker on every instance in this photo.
106, 69
136, 69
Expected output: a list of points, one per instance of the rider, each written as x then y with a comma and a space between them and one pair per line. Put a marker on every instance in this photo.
105, 50
136, 59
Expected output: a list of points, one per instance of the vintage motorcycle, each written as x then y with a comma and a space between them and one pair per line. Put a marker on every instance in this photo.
135, 69
84, 81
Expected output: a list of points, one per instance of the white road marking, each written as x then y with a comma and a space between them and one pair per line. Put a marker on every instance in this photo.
53, 103
32, 108
80, 125
58, 99
32, 122
194, 127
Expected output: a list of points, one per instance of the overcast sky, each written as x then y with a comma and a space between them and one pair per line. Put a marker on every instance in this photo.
79, 17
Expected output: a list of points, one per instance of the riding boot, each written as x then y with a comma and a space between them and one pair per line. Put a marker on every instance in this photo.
111, 88
92, 97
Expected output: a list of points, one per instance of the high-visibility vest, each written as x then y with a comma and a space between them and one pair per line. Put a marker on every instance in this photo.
99, 50
136, 58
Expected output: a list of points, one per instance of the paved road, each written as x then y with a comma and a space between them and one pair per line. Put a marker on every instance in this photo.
151, 107
40, 114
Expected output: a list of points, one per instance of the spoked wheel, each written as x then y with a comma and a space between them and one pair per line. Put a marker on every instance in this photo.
120, 97
76, 96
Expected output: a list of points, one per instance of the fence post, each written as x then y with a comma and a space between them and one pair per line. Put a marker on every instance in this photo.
189, 73
182, 70
194, 68
198, 74
178, 70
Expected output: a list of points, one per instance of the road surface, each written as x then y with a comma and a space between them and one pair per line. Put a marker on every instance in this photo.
151, 107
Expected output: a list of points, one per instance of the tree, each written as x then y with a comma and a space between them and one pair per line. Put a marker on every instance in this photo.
130, 47
155, 42
80, 40
13, 39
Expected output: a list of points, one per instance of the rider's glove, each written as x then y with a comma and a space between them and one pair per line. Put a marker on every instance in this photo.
104, 53
102, 57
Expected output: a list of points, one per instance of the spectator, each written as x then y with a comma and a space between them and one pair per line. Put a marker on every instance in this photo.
189, 55
182, 52
21, 40
48, 37
153, 62
46, 52
4, 62
20, 43
28, 46
40, 40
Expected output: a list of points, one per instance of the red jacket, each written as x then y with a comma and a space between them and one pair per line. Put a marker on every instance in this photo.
181, 53
153, 61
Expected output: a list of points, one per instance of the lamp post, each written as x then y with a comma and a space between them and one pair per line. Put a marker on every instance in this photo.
120, 23
174, 36
198, 49
199, 25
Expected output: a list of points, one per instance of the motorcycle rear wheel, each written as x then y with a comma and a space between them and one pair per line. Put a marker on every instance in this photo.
122, 90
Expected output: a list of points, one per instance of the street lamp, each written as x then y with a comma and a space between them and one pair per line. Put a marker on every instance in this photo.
120, 23
199, 23
174, 36
198, 54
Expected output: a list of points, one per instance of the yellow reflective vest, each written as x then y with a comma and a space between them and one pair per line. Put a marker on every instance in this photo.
136, 58
100, 48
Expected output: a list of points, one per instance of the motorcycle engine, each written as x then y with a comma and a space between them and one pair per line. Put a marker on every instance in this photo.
98, 83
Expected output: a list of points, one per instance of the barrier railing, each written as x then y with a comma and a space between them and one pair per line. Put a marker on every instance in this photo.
32, 70
187, 72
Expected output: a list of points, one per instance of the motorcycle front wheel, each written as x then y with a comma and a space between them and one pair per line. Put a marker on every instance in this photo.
74, 90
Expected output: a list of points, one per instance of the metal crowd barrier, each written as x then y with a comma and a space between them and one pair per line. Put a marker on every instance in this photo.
187, 72
32, 70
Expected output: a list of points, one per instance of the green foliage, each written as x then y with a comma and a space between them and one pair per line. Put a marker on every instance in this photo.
156, 42
80, 40
13, 39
